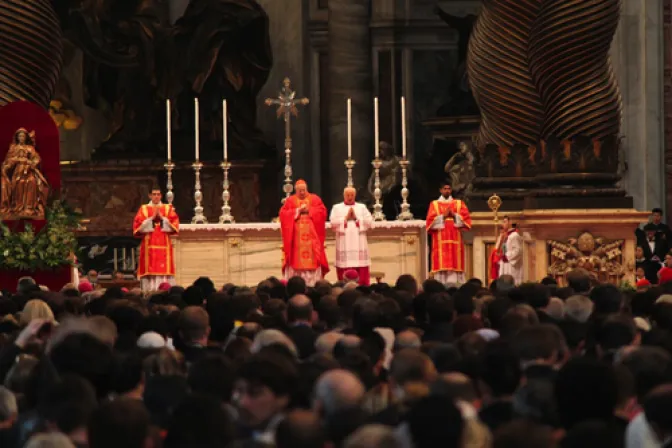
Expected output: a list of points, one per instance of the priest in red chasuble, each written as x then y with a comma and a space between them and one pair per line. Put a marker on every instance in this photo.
154, 223
447, 218
302, 223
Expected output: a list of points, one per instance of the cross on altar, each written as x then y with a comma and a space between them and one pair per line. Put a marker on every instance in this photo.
287, 102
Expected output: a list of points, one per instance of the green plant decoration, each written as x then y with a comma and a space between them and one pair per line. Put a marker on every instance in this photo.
50, 248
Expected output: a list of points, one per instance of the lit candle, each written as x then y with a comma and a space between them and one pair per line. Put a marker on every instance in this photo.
225, 131
196, 137
349, 128
169, 137
403, 127
376, 131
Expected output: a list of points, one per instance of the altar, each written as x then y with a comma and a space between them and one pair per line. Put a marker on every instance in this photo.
245, 254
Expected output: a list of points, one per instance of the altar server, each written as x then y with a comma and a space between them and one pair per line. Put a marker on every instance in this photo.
154, 223
447, 218
507, 256
302, 224
350, 221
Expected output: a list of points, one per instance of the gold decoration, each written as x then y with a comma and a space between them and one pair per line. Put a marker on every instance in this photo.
63, 117
23, 187
234, 242
602, 259
411, 240
494, 203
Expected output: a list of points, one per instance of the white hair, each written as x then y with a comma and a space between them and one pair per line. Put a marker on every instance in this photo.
326, 342
270, 337
579, 308
556, 308
49, 440
338, 390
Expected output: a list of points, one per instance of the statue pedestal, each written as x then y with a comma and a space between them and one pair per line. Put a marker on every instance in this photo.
606, 242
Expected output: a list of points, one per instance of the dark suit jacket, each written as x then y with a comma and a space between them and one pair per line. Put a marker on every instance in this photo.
441, 332
661, 247
304, 339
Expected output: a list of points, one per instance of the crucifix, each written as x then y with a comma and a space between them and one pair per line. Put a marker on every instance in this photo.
286, 102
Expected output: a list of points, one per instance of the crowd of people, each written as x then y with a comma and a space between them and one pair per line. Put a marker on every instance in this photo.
338, 365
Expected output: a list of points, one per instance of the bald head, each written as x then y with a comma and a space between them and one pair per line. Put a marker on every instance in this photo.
337, 390
349, 194
407, 339
373, 436
300, 309
326, 341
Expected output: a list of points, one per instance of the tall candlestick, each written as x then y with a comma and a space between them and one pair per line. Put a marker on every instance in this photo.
169, 139
225, 132
376, 130
349, 128
403, 127
197, 142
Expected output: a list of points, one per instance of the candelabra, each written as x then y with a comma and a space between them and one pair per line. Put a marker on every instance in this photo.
288, 187
169, 166
198, 218
405, 214
226, 217
377, 193
349, 165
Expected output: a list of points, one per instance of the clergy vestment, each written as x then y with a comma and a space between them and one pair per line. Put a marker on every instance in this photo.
507, 257
303, 238
447, 244
352, 249
156, 264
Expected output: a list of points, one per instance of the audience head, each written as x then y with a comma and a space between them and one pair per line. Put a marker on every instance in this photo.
122, 422
337, 391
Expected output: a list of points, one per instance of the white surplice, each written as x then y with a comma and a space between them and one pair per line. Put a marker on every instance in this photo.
513, 254
352, 249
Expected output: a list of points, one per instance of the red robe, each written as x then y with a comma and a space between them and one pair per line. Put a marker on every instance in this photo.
156, 249
303, 238
447, 244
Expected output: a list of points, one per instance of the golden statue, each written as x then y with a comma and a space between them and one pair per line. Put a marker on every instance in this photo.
23, 188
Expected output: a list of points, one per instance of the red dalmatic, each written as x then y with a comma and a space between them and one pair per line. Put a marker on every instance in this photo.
447, 244
156, 249
303, 235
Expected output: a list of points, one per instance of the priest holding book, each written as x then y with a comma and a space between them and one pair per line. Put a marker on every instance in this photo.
154, 223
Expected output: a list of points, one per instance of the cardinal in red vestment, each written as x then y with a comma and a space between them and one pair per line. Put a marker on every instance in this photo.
154, 223
302, 223
447, 218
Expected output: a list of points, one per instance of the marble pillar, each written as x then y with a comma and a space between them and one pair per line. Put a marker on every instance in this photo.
350, 76
637, 56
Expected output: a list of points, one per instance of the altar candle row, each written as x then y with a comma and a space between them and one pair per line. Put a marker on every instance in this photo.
225, 129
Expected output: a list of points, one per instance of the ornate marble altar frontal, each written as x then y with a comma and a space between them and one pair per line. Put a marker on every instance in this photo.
556, 241
246, 254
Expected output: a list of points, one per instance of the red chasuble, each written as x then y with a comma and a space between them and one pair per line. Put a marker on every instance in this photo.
447, 244
156, 250
303, 238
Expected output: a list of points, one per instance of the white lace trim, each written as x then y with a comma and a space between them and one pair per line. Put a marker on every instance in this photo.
276, 226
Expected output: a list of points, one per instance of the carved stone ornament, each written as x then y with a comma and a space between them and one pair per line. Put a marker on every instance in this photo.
601, 258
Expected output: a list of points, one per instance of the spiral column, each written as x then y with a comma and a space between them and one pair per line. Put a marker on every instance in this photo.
31, 53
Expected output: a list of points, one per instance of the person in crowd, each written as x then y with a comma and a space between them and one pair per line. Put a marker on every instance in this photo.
289, 364
350, 222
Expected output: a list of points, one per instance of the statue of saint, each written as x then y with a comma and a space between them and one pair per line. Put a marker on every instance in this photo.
389, 171
23, 188
460, 168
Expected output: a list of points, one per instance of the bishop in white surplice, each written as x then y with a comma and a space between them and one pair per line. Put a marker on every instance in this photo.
350, 221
